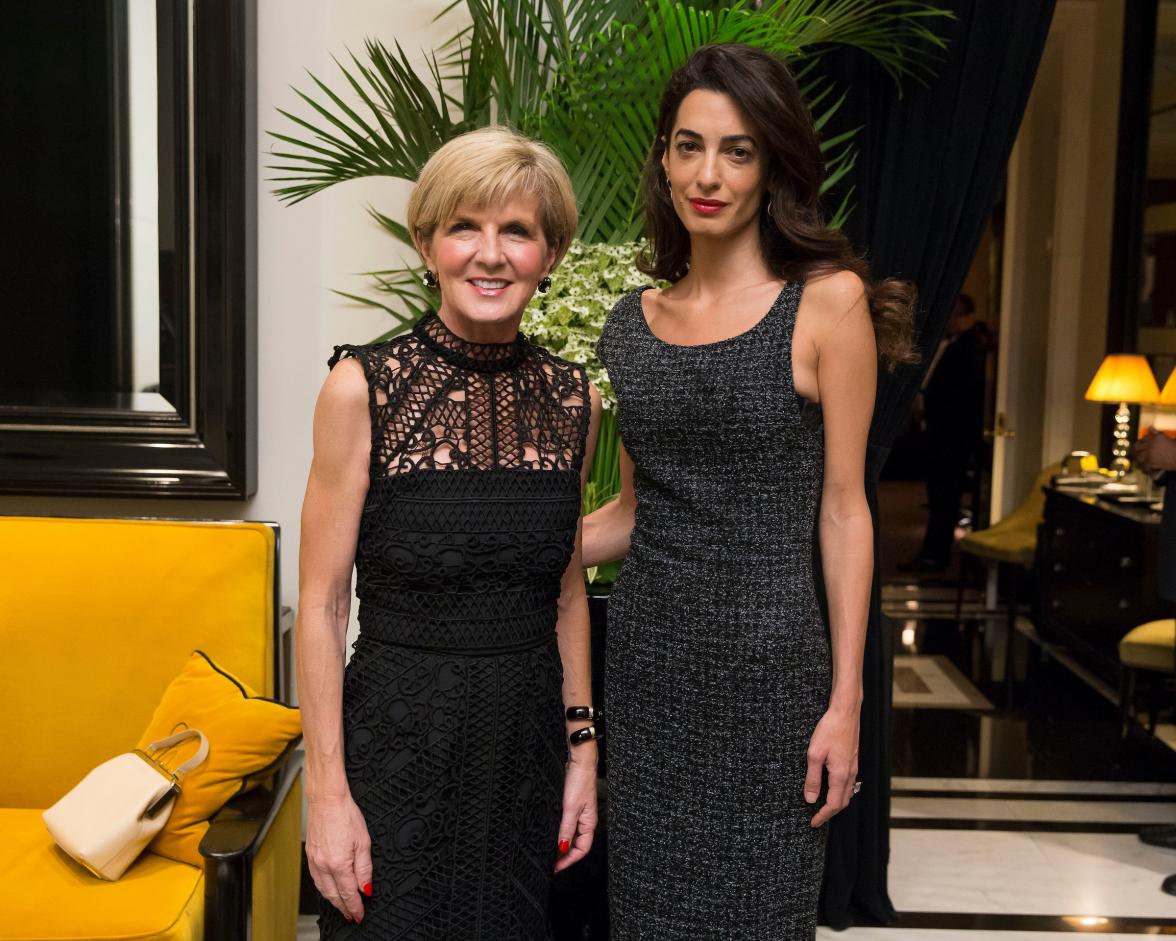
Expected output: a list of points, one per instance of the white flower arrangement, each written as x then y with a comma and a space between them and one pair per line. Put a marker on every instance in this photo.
567, 320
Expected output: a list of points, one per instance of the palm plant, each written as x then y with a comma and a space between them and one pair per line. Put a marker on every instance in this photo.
584, 76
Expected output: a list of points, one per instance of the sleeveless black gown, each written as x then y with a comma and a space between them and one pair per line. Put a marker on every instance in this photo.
452, 707
717, 662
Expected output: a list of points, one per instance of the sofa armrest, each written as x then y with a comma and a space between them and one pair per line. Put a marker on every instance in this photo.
234, 836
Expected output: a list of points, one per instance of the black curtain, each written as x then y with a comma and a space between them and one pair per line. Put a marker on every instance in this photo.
931, 161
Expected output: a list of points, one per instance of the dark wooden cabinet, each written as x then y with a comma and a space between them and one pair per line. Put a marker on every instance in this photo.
1096, 576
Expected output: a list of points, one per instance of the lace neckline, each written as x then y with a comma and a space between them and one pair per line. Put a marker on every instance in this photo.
479, 357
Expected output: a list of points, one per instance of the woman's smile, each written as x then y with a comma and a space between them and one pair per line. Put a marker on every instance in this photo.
489, 287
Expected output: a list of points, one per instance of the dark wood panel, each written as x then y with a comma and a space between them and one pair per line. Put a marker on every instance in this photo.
1096, 567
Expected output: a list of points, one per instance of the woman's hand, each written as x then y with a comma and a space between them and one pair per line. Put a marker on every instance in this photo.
833, 747
608, 530
578, 825
339, 854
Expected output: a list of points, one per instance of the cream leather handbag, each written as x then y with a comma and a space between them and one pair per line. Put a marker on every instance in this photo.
112, 814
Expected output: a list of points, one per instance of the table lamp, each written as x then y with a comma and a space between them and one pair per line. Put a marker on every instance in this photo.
1123, 378
1168, 393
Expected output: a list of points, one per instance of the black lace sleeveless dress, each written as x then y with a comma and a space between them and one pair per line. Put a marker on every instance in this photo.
452, 703
718, 666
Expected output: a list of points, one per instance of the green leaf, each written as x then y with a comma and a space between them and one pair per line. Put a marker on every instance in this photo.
403, 322
396, 229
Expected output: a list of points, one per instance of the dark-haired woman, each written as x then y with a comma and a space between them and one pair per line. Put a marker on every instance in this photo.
746, 390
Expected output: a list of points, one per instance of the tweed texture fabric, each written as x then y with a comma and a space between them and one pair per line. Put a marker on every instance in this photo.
718, 665
452, 701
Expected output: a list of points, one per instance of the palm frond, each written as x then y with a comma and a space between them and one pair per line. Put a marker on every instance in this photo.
895, 32
403, 321
405, 285
399, 121
397, 230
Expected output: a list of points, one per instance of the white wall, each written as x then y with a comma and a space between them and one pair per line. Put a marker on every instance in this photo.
1083, 223
1057, 242
1026, 277
303, 252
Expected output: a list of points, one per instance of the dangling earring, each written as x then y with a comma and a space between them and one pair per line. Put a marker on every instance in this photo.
429, 279
769, 205
545, 284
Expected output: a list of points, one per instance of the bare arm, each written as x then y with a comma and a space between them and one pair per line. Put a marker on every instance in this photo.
335, 493
607, 530
847, 363
574, 635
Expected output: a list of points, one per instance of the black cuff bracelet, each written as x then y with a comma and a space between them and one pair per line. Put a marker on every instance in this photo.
579, 713
580, 736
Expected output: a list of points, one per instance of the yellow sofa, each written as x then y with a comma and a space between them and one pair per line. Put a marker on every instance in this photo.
97, 616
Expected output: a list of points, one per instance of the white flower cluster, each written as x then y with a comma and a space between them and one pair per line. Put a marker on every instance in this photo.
567, 320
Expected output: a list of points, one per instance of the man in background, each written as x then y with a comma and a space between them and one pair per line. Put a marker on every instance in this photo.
953, 413
1155, 454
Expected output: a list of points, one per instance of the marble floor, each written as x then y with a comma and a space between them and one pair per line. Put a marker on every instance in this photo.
1015, 808
1019, 821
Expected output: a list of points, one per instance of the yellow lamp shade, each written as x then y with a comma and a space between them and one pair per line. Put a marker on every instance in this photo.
1168, 393
1124, 378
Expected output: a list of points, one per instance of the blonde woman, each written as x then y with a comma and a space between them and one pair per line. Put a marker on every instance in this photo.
448, 773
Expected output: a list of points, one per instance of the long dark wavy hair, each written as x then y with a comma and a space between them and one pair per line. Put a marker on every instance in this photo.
796, 242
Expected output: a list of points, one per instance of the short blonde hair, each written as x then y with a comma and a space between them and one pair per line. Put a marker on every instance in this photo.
488, 166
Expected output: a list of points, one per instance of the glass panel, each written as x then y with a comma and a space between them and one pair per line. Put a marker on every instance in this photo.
1157, 301
81, 320
142, 343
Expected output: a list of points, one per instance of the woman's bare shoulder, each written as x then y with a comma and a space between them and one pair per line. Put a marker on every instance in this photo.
836, 290
833, 301
346, 385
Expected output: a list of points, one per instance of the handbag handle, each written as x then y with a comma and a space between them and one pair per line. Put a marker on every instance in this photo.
195, 761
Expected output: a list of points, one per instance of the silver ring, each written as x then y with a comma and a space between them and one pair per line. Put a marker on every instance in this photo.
857, 786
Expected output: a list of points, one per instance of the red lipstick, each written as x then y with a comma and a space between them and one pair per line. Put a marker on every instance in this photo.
707, 206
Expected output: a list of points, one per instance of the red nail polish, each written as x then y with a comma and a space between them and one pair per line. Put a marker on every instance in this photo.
367, 889
564, 846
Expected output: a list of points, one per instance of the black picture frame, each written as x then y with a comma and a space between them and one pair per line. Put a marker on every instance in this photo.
207, 447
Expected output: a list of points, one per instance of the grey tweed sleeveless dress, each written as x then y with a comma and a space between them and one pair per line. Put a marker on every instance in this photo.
717, 662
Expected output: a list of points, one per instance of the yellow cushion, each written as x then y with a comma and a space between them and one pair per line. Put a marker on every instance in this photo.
98, 616
46, 896
245, 733
1013, 544
1150, 646
1014, 538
